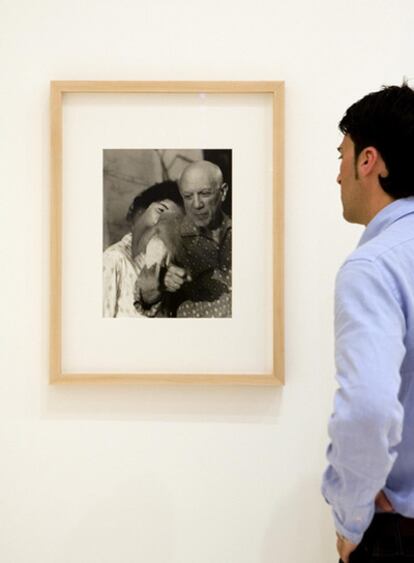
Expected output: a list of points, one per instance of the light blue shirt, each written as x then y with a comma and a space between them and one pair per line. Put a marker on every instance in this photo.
372, 427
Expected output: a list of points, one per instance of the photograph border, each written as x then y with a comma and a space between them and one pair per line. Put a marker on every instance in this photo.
57, 91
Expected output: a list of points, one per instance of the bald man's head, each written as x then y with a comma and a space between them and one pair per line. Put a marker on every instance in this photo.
203, 191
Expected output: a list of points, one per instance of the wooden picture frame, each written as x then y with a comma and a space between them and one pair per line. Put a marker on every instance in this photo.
273, 374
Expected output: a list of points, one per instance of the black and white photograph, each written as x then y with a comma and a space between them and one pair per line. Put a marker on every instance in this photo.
167, 233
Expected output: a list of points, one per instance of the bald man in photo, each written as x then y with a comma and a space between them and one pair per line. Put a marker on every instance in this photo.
202, 283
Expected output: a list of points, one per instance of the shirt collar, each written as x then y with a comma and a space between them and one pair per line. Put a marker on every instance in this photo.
391, 213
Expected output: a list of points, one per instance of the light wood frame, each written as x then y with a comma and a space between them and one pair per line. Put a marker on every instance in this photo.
62, 88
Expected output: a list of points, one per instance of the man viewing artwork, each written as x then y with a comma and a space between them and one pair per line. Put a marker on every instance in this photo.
370, 478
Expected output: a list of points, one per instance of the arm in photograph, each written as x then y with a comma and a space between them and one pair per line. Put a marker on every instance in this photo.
148, 297
148, 285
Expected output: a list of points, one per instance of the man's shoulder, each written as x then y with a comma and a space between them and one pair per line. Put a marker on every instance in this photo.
397, 239
386, 259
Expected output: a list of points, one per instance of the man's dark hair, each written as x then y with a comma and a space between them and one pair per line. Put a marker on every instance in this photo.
157, 192
385, 120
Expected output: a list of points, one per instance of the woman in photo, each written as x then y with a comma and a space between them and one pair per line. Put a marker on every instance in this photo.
132, 266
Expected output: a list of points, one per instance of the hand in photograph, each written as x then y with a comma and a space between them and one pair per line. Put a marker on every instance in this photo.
175, 277
152, 214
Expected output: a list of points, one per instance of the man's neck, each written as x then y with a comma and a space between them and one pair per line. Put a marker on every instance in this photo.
377, 205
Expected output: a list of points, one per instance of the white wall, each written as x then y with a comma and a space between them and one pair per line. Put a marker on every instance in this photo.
179, 475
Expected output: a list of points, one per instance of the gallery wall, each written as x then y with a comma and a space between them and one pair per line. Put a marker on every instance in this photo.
190, 474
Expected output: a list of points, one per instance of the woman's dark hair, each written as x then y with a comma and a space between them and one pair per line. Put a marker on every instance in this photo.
385, 120
157, 192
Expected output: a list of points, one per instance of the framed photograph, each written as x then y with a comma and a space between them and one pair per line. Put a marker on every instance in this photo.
167, 232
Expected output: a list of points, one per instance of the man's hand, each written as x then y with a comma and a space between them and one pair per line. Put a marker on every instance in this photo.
383, 503
149, 284
175, 277
344, 547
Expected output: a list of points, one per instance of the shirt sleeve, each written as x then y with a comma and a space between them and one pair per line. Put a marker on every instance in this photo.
110, 284
366, 424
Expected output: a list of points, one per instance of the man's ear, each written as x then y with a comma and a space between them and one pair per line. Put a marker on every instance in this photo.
368, 159
224, 187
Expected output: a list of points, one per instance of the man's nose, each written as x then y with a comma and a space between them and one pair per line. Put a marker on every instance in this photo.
338, 179
197, 203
